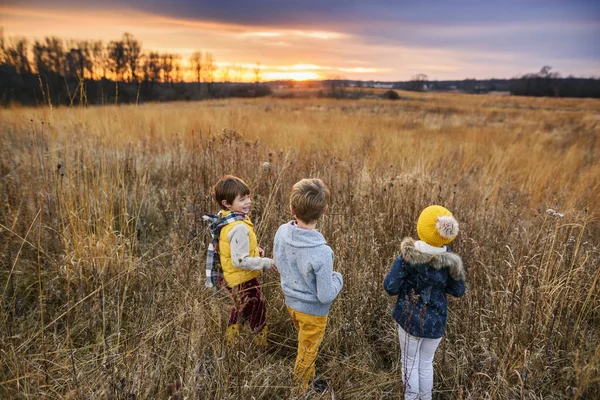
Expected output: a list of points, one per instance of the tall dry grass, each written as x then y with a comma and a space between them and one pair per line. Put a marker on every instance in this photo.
102, 243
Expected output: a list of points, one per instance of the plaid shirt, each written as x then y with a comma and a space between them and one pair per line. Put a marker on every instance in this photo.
214, 273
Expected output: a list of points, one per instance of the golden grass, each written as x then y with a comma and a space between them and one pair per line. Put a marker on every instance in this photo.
102, 244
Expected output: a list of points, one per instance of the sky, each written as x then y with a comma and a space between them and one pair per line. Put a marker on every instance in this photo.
366, 40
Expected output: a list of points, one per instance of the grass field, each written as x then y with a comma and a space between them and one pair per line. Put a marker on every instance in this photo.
102, 243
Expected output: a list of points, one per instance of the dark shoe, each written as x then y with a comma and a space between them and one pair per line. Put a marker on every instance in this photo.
320, 385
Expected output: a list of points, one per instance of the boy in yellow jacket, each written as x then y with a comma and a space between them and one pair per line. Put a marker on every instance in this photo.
241, 260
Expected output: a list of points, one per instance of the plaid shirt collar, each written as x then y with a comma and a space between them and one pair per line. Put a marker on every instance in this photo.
214, 273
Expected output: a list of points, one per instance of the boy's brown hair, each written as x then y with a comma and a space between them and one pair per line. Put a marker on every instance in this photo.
228, 188
309, 199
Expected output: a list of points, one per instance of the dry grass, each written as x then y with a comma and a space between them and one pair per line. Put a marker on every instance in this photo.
102, 245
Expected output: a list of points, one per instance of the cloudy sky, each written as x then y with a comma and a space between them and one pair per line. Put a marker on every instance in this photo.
375, 39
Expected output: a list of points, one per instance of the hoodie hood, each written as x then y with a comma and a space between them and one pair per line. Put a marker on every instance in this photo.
298, 237
438, 261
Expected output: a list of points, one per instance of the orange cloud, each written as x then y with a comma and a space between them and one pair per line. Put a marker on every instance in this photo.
285, 53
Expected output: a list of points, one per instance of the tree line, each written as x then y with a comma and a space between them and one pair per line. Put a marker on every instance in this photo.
544, 83
57, 71
548, 83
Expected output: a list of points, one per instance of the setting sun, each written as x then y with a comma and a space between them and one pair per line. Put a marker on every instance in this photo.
296, 76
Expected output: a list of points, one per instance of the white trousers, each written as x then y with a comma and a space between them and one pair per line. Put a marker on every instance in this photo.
417, 365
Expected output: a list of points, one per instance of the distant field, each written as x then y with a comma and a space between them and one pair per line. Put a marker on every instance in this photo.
102, 244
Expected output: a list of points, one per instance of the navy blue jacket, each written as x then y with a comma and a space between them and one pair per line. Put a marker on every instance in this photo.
421, 281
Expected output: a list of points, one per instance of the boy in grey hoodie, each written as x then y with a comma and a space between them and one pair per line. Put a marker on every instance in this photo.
305, 264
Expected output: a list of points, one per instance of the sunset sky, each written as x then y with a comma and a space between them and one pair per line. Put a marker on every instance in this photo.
379, 40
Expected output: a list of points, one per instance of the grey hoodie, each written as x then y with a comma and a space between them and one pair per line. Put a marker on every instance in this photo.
305, 264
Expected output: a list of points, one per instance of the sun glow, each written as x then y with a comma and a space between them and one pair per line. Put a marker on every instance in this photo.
295, 75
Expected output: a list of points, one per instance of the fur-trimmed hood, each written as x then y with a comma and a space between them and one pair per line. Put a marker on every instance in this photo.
448, 260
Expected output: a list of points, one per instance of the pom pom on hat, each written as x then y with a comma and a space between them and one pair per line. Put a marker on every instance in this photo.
447, 227
436, 226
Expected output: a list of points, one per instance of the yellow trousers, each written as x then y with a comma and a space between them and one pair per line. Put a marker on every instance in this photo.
311, 329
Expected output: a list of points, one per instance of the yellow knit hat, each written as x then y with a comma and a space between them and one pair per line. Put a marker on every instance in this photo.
436, 226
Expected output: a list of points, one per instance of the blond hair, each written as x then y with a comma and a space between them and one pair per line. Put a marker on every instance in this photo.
309, 199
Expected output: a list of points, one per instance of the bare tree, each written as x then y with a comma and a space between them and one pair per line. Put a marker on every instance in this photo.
167, 66
118, 58
177, 67
40, 58
155, 66
49, 56
209, 67
78, 60
152, 67
417, 83
57, 54
145, 67
169, 62
15, 53
238, 72
225, 73
133, 52
196, 62
74, 64
97, 59
257, 71
545, 73
2, 47
88, 63
336, 85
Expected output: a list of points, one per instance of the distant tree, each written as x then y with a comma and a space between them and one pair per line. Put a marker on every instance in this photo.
98, 59
88, 61
2, 47
133, 53
168, 64
40, 58
417, 83
196, 63
257, 71
544, 83
56, 50
225, 73
152, 67
469, 85
15, 53
49, 56
178, 76
239, 71
209, 67
118, 58
155, 65
545, 72
74, 64
145, 66
336, 85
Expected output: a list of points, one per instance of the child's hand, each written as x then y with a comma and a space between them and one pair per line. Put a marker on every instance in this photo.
273, 267
261, 252
338, 276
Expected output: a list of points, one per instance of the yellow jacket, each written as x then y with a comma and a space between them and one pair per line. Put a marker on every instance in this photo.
231, 273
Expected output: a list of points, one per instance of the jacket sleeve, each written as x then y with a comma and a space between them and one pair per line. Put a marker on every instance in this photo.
240, 250
329, 283
455, 287
394, 278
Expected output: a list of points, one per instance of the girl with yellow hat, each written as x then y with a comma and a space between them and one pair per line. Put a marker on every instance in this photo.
421, 276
